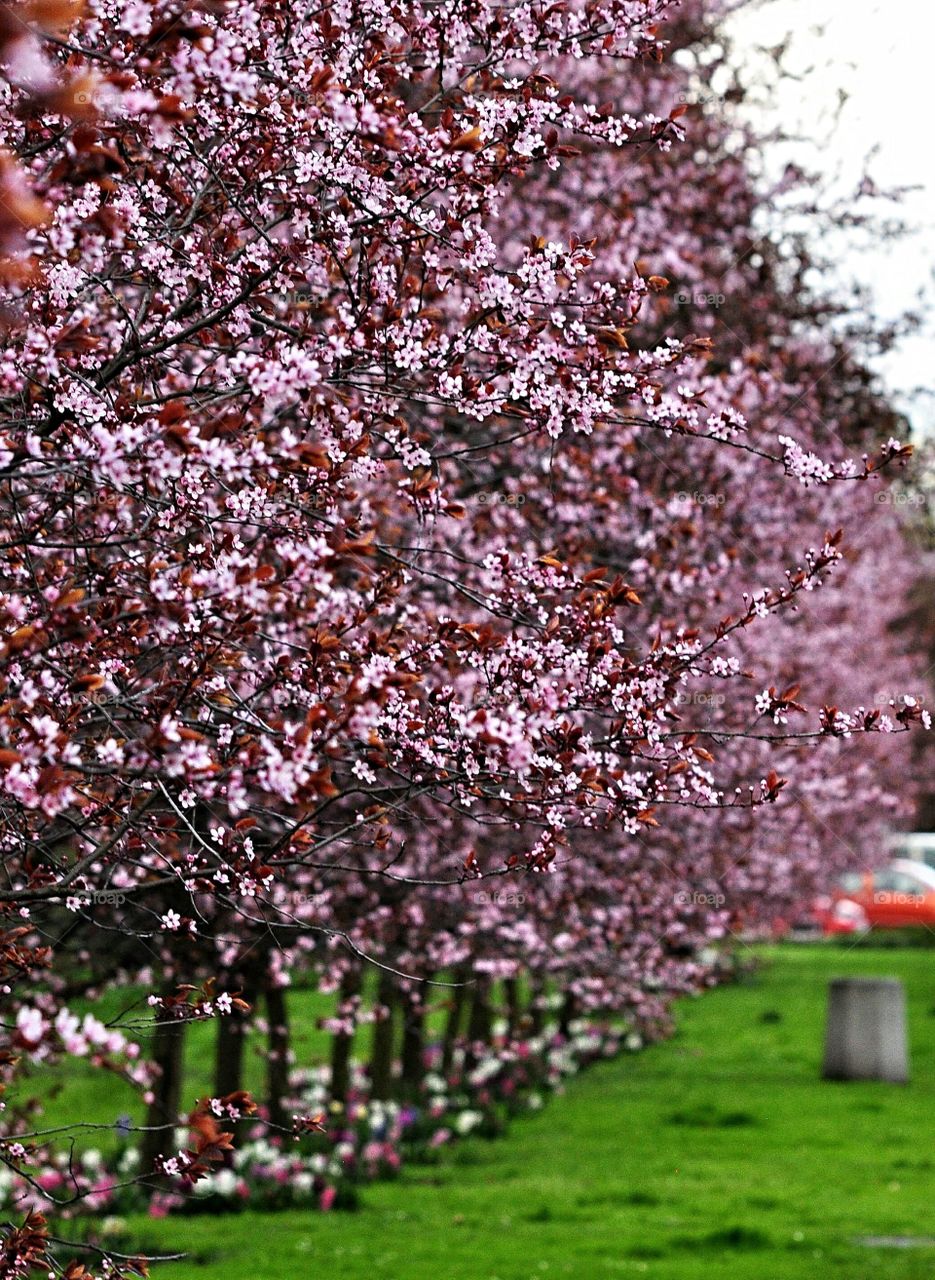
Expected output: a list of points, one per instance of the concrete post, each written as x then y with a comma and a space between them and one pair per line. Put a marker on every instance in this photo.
866, 1033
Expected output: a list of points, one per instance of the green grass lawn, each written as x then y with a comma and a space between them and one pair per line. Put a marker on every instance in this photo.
719, 1153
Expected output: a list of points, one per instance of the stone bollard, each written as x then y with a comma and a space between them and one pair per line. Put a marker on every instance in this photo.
866, 1034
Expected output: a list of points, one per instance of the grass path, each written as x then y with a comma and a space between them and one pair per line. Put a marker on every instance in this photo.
719, 1153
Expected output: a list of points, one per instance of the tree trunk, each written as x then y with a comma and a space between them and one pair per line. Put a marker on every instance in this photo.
481, 1014
413, 1055
229, 1046
456, 1006
168, 1053
536, 1011
381, 1054
342, 1042
567, 1014
229, 1055
478, 1033
277, 1073
514, 1009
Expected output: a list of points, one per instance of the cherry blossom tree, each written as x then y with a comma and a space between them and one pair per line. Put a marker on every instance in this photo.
406, 562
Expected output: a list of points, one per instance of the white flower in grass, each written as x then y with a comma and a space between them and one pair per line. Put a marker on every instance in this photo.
225, 1182
467, 1121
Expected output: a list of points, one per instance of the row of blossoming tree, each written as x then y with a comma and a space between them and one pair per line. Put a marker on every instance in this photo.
420, 455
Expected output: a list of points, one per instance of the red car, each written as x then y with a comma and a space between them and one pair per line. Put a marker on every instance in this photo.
899, 895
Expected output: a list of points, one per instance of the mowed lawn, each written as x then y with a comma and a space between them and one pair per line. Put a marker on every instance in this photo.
719, 1153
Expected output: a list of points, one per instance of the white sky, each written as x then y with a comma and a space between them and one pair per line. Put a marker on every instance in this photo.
881, 56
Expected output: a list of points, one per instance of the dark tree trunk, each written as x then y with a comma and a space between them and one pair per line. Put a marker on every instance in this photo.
342, 1042
229, 1055
478, 1032
456, 1007
381, 1054
514, 1008
567, 1013
168, 1053
229, 1047
481, 1013
413, 1054
277, 1071
536, 1011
